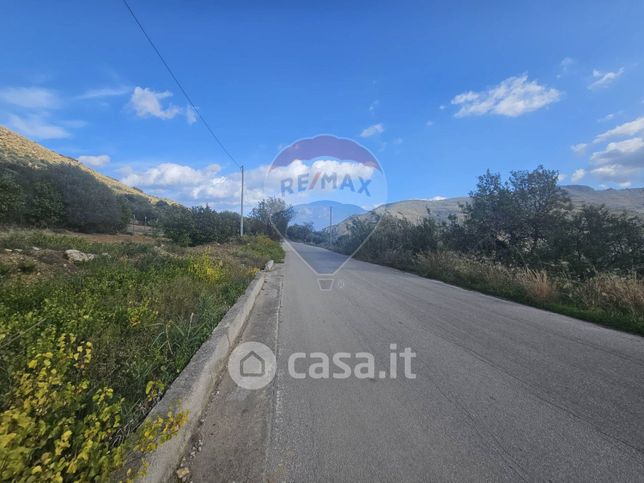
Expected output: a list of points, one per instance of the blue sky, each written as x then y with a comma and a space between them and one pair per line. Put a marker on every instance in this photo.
438, 92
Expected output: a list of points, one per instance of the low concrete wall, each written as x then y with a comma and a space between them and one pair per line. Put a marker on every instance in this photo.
192, 388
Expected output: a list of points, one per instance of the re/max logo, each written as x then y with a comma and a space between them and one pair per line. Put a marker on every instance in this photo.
303, 182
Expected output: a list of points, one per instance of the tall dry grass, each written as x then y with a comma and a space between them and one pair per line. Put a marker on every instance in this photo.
607, 298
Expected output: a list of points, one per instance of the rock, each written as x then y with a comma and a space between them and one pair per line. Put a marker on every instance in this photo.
8, 250
36, 249
269, 265
183, 473
18, 250
78, 256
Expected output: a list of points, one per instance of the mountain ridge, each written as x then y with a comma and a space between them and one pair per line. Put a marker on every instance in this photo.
630, 200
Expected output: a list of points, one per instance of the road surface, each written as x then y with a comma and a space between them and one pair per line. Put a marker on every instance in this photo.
502, 391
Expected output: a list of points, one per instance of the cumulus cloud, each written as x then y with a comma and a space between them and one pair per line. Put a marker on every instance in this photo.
149, 103
36, 126
198, 186
437, 198
372, 130
578, 174
167, 175
627, 129
30, 97
604, 79
98, 160
512, 97
621, 158
629, 152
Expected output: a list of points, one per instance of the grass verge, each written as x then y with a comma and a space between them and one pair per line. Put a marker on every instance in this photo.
607, 299
87, 349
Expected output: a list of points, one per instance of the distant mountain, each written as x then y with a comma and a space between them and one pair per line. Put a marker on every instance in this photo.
317, 213
41, 187
630, 200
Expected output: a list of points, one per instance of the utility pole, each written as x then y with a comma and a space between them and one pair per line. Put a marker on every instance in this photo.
330, 225
241, 211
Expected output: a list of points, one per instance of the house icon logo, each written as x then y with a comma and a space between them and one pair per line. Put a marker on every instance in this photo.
252, 365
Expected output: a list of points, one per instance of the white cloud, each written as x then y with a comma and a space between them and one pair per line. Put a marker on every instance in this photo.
30, 97
578, 174
609, 117
98, 160
198, 186
397, 141
620, 160
167, 175
36, 126
147, 103
629, 152
438, 198
615, 173
579, 148
627, 129
561, 177
429, 123
104, 92
373, 106
512, 97
191, 115
372, 130
565, 64
604, 79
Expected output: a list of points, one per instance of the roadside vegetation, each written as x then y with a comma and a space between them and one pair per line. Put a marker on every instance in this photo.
520, 239
198, 225
86, 349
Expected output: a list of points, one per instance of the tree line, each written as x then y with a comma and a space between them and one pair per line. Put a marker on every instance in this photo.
526, 220
199, 225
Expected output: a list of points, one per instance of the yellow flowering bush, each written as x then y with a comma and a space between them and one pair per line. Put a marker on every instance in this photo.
59, 428
207, 269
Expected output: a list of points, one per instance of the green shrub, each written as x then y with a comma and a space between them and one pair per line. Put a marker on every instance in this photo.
80, 352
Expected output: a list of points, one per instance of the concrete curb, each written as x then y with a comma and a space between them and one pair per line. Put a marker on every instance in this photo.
192, 388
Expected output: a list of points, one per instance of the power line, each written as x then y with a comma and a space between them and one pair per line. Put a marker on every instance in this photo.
196, 111
192, 105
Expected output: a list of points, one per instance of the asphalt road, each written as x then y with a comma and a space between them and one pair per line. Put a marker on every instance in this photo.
502, 391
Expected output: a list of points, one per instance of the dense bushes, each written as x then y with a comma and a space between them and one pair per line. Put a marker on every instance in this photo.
84, 355
527, 221
67, 197
523, 240
199, 225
